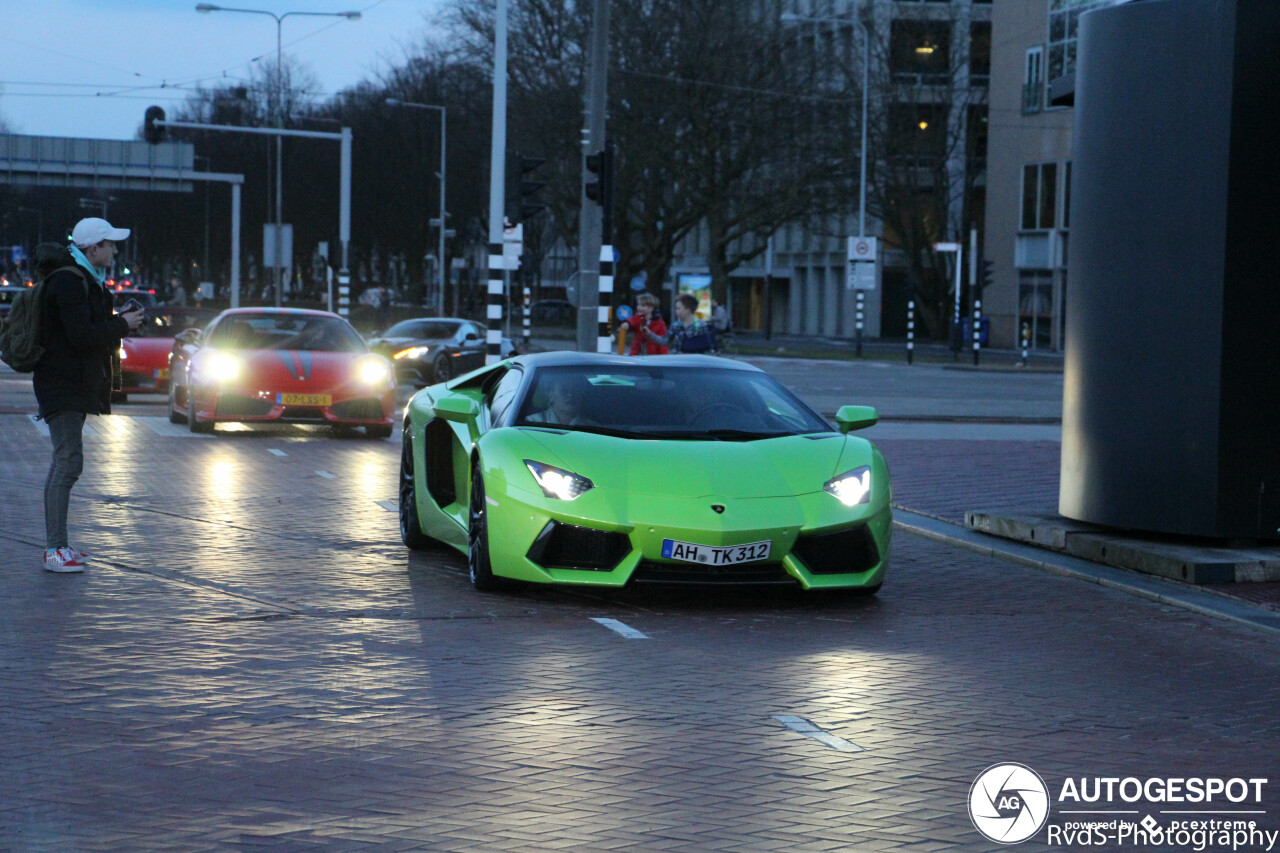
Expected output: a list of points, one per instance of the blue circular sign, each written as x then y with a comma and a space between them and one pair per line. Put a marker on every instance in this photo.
624, 312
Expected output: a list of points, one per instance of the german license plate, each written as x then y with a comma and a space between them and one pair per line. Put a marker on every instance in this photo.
715, 555
162, 373
304, 399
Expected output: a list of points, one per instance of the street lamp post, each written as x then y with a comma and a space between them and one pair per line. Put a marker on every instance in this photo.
440, 273
279, 241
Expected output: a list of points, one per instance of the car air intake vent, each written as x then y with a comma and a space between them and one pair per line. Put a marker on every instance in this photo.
851, 549
567, 546
744, 574
365, 409
236, 406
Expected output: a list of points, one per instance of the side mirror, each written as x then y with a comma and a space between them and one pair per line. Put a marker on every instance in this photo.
457, 408
849, 418
187, 337
471, 336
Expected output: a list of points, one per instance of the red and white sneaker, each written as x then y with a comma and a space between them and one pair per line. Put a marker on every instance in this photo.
81, 556
62, 560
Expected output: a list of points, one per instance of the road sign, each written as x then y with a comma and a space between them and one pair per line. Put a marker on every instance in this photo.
861, 249
624, 313
946, 247
862, 276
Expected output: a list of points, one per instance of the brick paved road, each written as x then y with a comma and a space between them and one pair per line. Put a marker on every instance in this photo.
260, 666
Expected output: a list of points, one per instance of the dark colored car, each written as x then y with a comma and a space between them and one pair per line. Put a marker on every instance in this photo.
553, 312
427, 350
158, 324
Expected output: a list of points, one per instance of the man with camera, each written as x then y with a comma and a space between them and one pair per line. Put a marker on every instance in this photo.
80, 334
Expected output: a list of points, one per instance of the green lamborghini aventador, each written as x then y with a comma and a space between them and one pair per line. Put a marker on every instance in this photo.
601, 470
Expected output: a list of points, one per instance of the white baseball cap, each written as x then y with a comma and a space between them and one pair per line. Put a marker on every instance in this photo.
92, 231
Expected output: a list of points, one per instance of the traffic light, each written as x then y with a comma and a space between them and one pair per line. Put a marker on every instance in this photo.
151, 131
529, 204
600, 190
986, 275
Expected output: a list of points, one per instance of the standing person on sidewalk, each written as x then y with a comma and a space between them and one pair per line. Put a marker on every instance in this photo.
646, 319
689, 333
80, 334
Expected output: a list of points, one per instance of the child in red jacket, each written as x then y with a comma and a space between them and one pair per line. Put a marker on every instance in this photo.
647, 316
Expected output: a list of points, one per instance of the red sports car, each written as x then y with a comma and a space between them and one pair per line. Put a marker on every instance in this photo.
144, 367
280, 364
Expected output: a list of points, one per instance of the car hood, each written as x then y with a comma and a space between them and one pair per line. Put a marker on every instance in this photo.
775, 467
296, 367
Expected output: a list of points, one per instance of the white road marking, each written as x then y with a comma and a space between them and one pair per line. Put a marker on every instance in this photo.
621, 628
389, 506
327, 475
802, 726
277, 452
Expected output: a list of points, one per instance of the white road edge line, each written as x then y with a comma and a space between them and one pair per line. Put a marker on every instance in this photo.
327, 475
620, 628
800, 725
277, 452
389, 506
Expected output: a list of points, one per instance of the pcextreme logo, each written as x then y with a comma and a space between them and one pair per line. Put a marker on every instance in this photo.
1008, 803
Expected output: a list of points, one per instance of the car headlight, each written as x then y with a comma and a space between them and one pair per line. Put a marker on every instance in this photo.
852, 487
412, 352
123, 354
373, 371
557, 482
222, 366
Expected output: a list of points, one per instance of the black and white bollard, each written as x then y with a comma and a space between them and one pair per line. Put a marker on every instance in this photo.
528, 311
911, 330
858, 325
977, 329
606, 299
493, 339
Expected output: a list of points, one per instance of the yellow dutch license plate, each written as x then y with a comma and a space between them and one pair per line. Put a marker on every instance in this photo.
304, 399
162, 373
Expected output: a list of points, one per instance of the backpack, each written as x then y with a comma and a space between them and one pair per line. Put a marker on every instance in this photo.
22, 331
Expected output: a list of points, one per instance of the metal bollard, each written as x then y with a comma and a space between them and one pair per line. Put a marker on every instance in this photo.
1026, 341
911, 330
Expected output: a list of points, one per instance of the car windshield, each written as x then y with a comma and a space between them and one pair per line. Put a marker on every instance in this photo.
434, 329
285, 331
666, 402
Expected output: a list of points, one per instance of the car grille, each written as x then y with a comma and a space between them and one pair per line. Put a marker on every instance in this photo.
302, 413
237, 406
567, 546
851, 549
744, 574
364, 409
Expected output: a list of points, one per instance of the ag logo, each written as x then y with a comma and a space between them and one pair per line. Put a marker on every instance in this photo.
1008, 803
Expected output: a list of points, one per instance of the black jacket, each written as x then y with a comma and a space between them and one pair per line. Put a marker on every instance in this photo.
81, 334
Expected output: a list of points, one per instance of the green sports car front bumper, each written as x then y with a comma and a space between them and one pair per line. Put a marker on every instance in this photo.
609, 538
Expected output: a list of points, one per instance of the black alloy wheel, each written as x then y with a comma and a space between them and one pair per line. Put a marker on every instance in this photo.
442, 367
410, 529
478, 537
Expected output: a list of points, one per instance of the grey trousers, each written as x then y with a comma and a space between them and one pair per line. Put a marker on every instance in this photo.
66, 431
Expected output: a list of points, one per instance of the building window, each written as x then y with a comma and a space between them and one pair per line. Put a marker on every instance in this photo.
979, 52
1066, 196
1039, 196
1035, 308
920, 52
1033, 81
1064, 24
